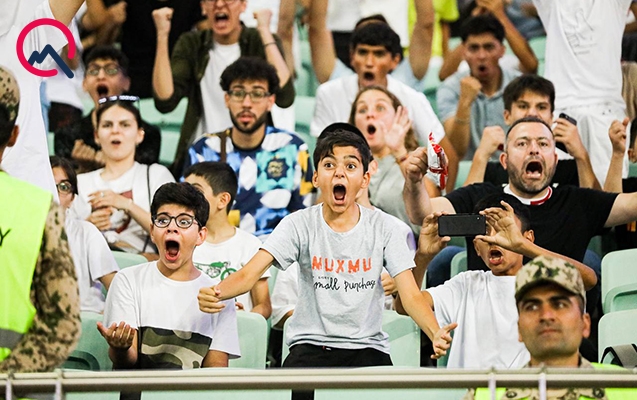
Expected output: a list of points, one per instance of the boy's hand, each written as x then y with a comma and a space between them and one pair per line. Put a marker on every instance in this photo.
416, 165
389, 285
429, 243
117, 336
507, 232
617, 135
442, 340
566, 132
209, 300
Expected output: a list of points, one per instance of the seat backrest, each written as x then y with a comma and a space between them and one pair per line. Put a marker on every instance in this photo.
125, 260
617, 270
253, 341
463, 172
384, 394
459, 263
92, 349
619, 327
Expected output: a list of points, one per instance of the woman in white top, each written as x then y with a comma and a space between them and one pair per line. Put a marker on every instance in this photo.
387, 129
95, 265
116, 198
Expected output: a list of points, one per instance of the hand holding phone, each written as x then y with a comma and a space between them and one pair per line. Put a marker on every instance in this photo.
571, 120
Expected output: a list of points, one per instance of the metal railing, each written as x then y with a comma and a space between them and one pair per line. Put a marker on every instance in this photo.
62, 381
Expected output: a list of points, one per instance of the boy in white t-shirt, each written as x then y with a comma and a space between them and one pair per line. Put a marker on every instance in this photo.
226, 248
151, 320
341, 249
483, 302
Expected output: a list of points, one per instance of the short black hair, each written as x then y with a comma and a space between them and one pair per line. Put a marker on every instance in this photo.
69, 170
341, 134
377, 34
520, 210
370, 19
107, 53
219, 175
484, 23
250, 69
182, 194
529, 119
125, 104
528, 83
6, 124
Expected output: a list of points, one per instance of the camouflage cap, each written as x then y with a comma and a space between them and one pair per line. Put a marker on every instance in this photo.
544, 269
9, 92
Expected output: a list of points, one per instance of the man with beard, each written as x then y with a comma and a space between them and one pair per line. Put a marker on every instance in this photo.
272, 165
564, 218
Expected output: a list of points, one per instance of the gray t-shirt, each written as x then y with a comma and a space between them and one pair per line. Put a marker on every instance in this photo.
340, 295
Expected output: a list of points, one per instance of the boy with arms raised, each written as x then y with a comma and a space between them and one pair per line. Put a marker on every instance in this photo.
151, 306
341, 249
226, 248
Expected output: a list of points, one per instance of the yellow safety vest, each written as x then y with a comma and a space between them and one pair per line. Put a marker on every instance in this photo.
23, 212
611, 393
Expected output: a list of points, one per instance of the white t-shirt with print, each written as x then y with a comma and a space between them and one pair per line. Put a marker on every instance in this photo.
166, 314
92, 258
219, 260
134, 183
484, 307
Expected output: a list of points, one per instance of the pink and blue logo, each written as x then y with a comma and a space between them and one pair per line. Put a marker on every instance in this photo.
40, 56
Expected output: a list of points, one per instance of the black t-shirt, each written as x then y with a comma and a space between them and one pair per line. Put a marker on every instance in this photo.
565, 173
564, 224
626, 235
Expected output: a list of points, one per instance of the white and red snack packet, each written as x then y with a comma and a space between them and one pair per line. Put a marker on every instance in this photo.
437, 161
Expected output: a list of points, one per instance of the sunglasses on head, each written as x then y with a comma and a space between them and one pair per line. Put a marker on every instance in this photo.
123, 97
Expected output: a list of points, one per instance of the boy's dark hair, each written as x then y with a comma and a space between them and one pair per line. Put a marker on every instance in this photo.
220, 176
125, 104
520, 210
528, 119
371, 19
528, 83
9, 104
107, 53
183, 194
633, 132
6, 125
341, 134
484, 23
377, 34
248, 69
67, 166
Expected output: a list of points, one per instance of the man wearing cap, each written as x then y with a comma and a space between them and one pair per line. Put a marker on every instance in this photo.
551, 299
40, 318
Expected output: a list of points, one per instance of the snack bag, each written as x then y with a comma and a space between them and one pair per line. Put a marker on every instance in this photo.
437, 162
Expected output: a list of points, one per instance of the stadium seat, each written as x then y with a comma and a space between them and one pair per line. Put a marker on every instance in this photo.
173, 119
463, 172
125, 260
218, 394
92, 350
304, 112
404, 339
50, 137
459, 263
619, 327
169, 142
632, 170
538, 45
384, 394
253, 341
619, 281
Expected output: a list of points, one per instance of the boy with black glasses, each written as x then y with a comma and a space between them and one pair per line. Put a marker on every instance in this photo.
152, 319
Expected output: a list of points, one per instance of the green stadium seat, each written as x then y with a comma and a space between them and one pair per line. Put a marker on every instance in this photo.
463, 172
615, 328
92, 350
619, 281
173, 119
169, 142
632, 170
253, 341
50, 137
384, 394
125, 260
538, 45
459, 263
218, 394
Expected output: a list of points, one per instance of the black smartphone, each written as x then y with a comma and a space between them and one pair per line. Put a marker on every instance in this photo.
462, 225
573, 121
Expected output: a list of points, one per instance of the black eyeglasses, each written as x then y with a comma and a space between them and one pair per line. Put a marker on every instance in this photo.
65, 187
183, 221
110, 69
123, 97
256, 96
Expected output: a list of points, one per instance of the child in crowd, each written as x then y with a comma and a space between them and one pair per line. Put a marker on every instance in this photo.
341, 249
151, 319
226, 248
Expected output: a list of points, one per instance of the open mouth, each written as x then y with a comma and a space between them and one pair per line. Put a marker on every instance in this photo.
102, 91
534, 169
371, 129
221, 17
368, 76
495, 257
116, 142
482, 69
339, 192
172, 250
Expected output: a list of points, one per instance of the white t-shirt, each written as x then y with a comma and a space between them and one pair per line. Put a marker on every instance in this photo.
583, 49
219, 260
484, 307
216, 117
172, 331
340, 294
334, 101
133, 184
28, 159
92, 258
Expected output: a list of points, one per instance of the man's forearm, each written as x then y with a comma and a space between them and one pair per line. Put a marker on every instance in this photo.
162, 72
417, 202
613, 181
421, 38
585, 173
65, 10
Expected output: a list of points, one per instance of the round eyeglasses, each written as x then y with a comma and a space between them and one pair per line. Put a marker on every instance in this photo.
65, 187
183, 221
110, 70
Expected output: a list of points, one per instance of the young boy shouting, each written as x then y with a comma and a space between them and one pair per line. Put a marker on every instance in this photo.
151, 319
226, 248
341, 249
